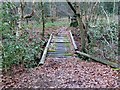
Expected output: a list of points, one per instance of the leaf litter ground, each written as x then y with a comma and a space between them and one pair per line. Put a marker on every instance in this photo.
65, 73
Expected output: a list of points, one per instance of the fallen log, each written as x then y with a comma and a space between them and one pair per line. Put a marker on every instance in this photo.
45, 51
73, 41
112, 64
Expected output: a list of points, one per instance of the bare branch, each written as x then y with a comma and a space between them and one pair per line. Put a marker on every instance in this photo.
73, 9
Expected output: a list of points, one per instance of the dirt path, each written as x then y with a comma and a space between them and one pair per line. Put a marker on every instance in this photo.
70, 72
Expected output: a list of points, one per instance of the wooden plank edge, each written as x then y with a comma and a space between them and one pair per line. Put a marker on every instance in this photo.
112, 64
73, 41
45, 52
59, 42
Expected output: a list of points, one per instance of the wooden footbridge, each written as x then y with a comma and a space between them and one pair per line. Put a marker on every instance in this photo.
59, 46
63, 45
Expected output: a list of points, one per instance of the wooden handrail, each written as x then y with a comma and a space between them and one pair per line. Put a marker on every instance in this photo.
45, 51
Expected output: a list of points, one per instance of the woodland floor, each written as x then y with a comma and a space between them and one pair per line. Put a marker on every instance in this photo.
70, 72
65, 73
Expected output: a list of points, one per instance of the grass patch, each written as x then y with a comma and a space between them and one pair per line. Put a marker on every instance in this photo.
47, 24
60, 23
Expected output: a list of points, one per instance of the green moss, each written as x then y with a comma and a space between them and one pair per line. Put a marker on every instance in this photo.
52, 47
52, 50
116, 69
67, 44
68, 54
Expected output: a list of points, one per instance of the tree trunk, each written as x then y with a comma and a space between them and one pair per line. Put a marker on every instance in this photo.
22, 5
43, 19
82, 30
19, 23
53, 11
76, 11
112, 64
113, 8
